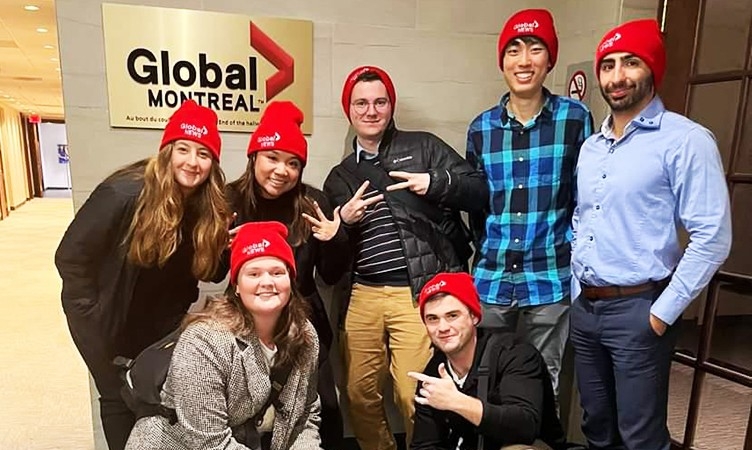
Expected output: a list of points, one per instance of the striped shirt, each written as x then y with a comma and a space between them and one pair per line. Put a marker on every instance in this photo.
380, 260
525, 253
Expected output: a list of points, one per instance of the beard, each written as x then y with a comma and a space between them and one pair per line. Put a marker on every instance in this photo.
636, 94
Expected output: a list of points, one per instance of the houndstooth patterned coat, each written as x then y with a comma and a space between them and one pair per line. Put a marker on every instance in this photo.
214, 386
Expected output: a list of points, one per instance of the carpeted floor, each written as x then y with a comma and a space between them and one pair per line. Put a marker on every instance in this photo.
44, 399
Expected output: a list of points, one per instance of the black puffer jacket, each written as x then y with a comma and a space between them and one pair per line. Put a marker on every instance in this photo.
454, 186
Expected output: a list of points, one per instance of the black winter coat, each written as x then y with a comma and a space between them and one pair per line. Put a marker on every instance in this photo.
454, 186
99, 283
520, 406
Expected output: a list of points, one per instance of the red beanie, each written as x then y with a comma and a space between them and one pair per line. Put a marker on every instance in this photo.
639, 37
530, 22
352, 79
459, 285
257, 239
194, 123
280, 130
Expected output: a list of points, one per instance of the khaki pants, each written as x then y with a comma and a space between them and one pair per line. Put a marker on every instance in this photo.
537, 445
383, 330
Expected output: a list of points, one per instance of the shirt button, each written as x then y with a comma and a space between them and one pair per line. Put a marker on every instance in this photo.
597, 206
519, 214
642, 119
514, 266
519, 186
517, 241
603, 176
590, 238
520, 160
587, 269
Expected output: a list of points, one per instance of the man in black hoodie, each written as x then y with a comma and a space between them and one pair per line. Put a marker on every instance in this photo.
518, 410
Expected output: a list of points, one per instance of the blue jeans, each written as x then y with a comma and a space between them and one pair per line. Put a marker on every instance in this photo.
622, 371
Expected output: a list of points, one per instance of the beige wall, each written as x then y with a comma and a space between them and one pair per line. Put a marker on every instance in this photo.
13, 157
439, 52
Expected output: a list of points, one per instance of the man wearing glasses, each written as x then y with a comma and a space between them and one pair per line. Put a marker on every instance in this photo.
399, 195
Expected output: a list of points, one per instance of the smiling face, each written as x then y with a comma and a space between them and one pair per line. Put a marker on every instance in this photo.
626, 83
191, 164
370, 109
450, 325
276, 172
263, 286
525, 65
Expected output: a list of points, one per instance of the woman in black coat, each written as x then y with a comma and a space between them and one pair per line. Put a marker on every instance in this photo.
131, 259
271, 189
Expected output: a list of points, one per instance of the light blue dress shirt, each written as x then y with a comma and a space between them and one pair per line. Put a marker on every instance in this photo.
633, 193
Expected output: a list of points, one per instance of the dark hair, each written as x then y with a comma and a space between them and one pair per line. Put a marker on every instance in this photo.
368, 76
243, 194
527, 40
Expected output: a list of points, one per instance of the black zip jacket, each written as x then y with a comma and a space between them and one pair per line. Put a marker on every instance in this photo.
454, 186
520, 406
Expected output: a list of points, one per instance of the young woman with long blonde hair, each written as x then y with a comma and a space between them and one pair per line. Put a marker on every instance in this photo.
131, 259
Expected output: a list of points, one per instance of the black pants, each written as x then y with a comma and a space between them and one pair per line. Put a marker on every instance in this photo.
117, 419
331, 430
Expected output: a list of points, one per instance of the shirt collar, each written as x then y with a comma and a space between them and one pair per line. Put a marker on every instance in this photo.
457, 380
366, 154
649, 118
546, 111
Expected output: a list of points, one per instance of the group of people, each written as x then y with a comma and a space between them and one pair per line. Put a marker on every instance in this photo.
565, 220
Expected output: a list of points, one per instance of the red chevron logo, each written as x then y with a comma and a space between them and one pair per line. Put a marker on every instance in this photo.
280, 59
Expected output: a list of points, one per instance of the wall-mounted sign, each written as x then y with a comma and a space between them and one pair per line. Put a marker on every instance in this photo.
578, 85
158, 57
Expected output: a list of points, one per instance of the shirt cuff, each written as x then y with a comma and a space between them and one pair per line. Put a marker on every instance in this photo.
669, 306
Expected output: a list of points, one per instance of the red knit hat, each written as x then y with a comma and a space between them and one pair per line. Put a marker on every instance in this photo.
459, 285
639, 37
279, 129
194, 123
257, 239
352, 79
530, 22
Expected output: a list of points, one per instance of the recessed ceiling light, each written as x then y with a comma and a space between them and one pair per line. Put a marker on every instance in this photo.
31, 8
49, 46
54, 59
42, 30
57, 69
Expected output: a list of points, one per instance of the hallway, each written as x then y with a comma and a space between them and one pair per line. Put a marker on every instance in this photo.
44, 399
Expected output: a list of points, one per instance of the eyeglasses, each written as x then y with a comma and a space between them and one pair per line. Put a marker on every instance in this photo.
361, 106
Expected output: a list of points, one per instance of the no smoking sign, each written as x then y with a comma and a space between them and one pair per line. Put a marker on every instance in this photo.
578, 85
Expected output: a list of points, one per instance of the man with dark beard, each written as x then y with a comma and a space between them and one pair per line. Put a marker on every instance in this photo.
646, 173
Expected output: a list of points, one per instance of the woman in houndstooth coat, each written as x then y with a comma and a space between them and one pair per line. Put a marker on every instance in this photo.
219, 374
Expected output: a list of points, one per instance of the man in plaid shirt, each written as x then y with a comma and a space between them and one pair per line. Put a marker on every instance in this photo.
527, 145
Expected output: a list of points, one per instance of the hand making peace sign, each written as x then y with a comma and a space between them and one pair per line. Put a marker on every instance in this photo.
355, 208
323, 228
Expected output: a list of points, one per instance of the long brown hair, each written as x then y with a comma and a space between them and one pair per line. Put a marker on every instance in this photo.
245, 189
156, 229
290, 336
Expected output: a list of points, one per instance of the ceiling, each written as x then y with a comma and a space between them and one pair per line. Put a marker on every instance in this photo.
29, 58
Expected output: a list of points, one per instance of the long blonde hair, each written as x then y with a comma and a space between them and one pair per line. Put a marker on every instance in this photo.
290, 336
156, 229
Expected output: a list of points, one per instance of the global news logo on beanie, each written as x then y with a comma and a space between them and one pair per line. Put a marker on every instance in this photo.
268, 141
258, 247
609, 42
434, 288
194, 130
525, 27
